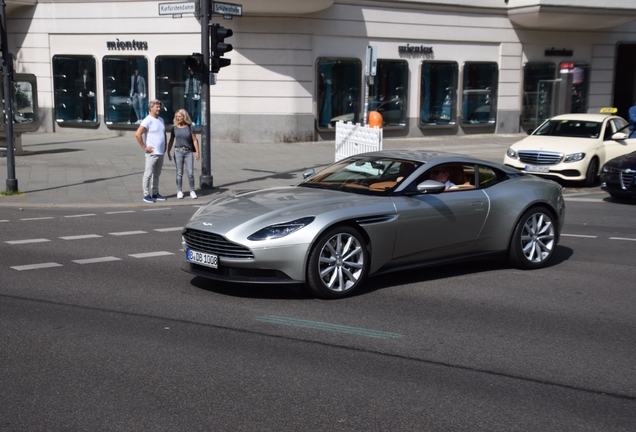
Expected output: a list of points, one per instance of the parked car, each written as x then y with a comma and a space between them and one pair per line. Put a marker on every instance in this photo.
572, 147
618, 176
374, 213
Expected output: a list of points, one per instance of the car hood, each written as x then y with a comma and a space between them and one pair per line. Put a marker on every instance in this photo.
242, 214
566, 145
625, 161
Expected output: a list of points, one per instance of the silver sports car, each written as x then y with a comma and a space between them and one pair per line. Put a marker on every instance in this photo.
374, 213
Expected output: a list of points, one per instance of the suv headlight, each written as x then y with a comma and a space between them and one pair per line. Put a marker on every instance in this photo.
574, 157
511, 153
280, 230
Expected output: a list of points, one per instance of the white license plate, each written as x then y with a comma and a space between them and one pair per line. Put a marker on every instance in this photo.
541, 169
202, 258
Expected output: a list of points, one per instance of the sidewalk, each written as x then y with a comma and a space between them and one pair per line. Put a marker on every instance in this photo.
65, 170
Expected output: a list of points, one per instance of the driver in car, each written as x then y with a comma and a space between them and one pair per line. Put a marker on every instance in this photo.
441, 175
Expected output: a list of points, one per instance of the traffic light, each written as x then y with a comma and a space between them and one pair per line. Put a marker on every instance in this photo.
219, 47
195, 62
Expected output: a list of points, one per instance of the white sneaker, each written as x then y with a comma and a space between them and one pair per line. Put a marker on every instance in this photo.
193, 195
180, 195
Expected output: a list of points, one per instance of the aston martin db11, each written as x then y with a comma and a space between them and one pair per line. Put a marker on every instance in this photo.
373, 213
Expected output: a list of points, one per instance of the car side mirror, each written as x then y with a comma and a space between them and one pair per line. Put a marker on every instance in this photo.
618, 136
431, 187
529, 131
309, 173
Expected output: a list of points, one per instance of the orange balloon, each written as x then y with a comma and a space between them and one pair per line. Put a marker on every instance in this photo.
375, 119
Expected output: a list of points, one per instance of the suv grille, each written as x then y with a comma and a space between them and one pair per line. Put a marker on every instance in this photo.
540, 158
206, 242
627, 178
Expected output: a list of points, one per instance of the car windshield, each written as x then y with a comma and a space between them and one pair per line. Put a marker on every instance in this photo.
360, 174
570, 128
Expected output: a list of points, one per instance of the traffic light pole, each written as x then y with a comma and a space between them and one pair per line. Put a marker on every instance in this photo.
7, 66
206, 180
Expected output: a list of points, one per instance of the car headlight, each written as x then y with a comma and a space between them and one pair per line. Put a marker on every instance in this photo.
511, 153
574, 157
605, 169
280, 230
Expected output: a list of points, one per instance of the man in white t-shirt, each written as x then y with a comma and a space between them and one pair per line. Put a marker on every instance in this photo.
151, 136
441, 175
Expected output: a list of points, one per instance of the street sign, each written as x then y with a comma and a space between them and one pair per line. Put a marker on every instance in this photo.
227, 9
176, 8
372, 61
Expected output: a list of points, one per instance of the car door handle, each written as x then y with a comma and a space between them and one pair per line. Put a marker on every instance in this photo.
476, 203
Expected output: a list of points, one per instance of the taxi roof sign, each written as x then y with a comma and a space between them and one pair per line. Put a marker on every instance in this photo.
608, 110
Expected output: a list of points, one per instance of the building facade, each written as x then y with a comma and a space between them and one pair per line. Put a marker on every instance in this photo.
445, 67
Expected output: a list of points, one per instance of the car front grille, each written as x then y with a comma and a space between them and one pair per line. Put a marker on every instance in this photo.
540, 158
202, 241
627, 178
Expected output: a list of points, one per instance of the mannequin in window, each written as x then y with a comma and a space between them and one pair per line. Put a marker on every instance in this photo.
138, 95
192, 94
86, 86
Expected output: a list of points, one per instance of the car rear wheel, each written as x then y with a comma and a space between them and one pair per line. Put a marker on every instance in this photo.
533, 240
338, 263
592, 171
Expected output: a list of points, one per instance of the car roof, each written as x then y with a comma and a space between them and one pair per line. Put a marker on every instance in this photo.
583, 117
434, 157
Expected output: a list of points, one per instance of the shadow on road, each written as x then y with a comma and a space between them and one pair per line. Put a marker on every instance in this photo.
373, 283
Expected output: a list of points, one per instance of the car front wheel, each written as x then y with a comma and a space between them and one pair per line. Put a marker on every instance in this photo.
533, 240
590, 174
338, 263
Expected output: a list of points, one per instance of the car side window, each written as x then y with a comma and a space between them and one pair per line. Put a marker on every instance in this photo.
489, 176
460, 176
619, 125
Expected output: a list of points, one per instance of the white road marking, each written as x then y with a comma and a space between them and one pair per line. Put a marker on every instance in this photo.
96, 260
40, 240
38, 218
579, 235
119, 212
5, 220
81, 215
123, 233
157, 209
589, 200
36, 266
150, 254
168, 229
622, 238
80, 237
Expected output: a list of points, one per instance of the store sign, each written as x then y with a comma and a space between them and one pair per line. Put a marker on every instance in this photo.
127, 45
559, 52
415, 49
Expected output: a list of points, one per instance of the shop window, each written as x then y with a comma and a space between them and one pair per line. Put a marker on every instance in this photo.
125, 90
25, 103
338, 91
580, 88
388, 94
74, 90
537, 99
479, 103
438, 95
178, 87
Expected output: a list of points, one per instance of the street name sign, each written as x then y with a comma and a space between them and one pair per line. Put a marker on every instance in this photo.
176, 8
228, 10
